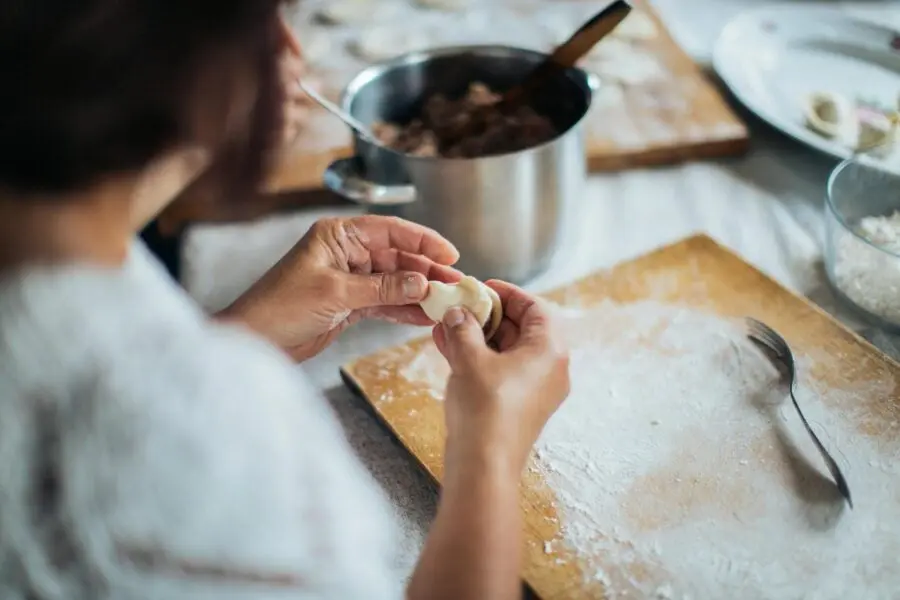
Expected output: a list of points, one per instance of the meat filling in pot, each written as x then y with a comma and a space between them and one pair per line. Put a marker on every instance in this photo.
486, 130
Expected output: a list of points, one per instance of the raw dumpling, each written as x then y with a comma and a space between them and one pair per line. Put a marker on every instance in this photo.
877, 135
832, 116
470, 293
637, 26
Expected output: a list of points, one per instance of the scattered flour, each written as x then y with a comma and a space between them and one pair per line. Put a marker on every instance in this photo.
632, 69
679, 472
430, 369
610, 95
671, 468
637, 26
868, 276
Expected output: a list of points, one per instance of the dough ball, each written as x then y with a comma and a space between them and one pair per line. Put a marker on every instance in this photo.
876, 135
377, 44
446, 5
482, 301
638, 26
833, 116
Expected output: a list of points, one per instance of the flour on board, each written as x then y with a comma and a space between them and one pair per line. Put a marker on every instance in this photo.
679, 471
428, 368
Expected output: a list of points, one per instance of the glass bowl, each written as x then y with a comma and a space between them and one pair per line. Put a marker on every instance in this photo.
862, 241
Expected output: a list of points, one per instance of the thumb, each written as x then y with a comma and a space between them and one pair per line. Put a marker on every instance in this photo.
384, 289
463, 338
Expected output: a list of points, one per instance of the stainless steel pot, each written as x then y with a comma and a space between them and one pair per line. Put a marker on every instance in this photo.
505, 213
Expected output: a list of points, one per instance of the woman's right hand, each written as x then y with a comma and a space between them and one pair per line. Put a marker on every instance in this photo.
497, 402
499, 399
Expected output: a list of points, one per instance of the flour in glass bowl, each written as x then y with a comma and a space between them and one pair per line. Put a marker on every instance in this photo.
866, 275
673, 473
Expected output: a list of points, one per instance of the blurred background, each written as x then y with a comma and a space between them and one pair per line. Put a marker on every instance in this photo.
675, 142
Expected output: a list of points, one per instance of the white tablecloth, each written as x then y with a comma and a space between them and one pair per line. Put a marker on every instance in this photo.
767, 206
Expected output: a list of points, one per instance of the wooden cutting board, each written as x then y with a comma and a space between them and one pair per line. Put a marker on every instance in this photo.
670, 115
672, 490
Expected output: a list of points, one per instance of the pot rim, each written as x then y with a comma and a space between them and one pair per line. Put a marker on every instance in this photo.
373, 72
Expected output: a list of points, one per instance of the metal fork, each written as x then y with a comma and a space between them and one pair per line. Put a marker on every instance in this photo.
763, 334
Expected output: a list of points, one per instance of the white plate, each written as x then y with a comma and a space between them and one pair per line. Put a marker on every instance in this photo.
773, 57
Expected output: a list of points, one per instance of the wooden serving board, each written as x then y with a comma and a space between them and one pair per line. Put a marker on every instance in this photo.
723, 479
673, 115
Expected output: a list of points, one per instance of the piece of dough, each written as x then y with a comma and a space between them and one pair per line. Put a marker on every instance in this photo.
470, 293
637, 26
832, 116
877, 135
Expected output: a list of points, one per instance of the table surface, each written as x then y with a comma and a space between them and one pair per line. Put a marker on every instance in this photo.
767, 206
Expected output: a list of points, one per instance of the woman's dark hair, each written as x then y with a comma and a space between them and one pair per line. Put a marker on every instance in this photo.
94, 88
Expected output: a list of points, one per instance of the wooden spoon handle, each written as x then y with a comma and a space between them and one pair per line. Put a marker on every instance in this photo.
587, 36
569, 52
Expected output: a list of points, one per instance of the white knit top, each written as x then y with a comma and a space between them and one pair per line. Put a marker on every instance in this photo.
148, 453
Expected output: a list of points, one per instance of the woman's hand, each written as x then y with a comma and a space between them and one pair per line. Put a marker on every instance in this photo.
344, 270
499, 400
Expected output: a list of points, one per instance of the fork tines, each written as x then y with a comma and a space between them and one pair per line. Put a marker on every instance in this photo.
762, 333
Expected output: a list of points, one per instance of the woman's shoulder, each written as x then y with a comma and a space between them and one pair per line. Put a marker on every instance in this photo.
61, 321
63, 316
177, 431
130, 340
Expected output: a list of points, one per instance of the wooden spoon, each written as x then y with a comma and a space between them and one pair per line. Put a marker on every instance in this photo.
564, 56
569, 52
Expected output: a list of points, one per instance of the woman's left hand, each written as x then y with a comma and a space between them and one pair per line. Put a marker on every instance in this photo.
344, 270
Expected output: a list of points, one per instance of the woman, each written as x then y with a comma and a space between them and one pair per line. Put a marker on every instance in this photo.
147, 451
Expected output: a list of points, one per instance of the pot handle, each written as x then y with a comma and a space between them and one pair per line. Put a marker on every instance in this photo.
342, 177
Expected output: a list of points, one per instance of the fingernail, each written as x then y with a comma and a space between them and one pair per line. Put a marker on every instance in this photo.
454, 317
414, 287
